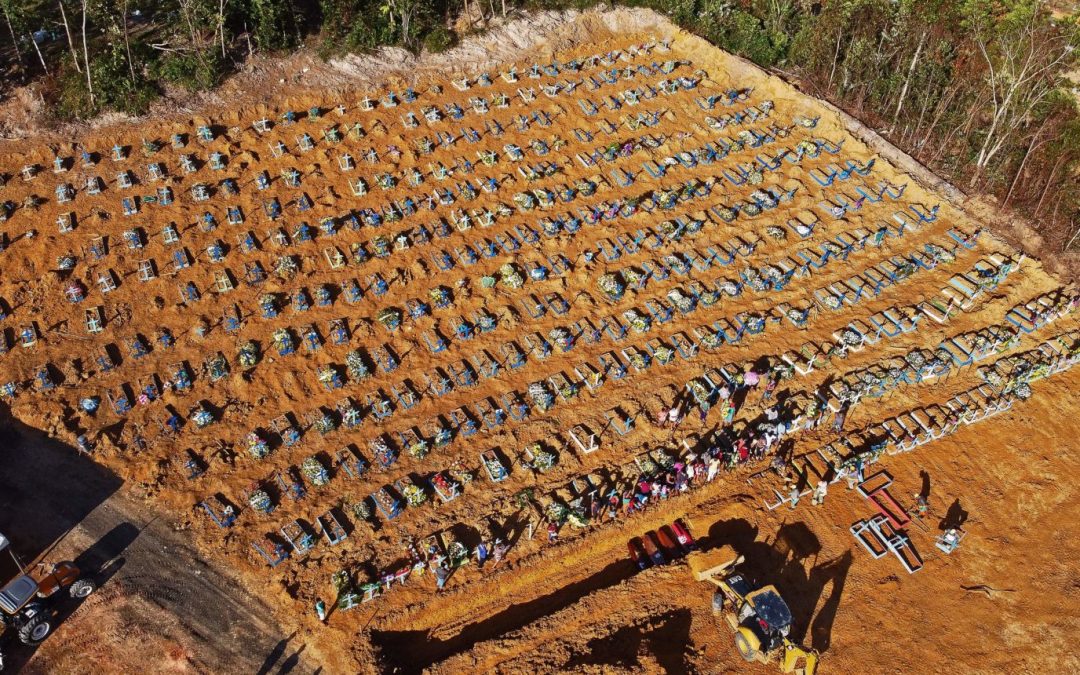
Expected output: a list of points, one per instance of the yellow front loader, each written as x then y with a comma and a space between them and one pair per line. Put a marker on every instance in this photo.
759, 616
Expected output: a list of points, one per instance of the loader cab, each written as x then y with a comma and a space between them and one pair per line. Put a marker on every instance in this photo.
766, 614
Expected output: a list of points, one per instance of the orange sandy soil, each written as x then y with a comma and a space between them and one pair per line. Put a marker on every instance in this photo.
1006, 601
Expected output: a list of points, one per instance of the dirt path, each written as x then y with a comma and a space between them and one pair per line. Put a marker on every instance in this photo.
159, 601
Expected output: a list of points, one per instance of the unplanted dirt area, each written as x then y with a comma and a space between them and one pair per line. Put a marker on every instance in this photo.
341, 338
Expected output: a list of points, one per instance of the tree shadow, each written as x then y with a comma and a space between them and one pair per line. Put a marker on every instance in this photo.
46, 488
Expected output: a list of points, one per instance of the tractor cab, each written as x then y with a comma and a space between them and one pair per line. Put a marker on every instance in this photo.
24, 594
16, 587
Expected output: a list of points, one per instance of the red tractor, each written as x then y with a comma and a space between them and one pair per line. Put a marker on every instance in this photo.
26, 594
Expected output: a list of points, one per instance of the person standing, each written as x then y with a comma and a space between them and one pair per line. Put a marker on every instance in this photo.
729, 412
841, 416
481, 554
820, 491
441, 575
320, 610
553, 533
793, 496
714, 467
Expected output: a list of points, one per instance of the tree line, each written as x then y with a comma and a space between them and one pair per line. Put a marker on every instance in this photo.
976, 89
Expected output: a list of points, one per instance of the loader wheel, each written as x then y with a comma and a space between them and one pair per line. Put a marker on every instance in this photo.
745, 650
82, 588
34, 631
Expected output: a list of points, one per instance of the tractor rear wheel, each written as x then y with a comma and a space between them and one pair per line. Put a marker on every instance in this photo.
34, 631
82, 588
745, 650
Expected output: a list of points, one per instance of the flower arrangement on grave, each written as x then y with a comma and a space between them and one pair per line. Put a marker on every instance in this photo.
511, 278
561, 337
556, 512
248, 355
915, 359
776, 232
726, 214
832, 302
414, 495
682, 302
257, 446
202, 418
381, 451
260, 501
390, 317
459, 473
611, 286
314, 471
282, 340
711, 341
663, 354
568, 390
796, 316
940, 254
362, 509
730, 287
286, 267
905, 269
1022, 391
700, 392
354, 363
328, 376
494, 468
487, 281
578, 517
753, 279
646, 465
991, 376
457, 552
442, 437
325, 424
347, 597
524, 200
419, 448
543, 460
541, 397
751, 208
843, 391
638, 321
665, 460
709, 297
639, 361
772, 274
754, 323
446, 487
851, 337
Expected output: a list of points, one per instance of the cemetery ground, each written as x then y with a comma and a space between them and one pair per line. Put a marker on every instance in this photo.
332, 338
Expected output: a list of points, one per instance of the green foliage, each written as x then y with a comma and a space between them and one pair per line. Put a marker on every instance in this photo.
194, 71
439, 39
745, 34
273, 23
